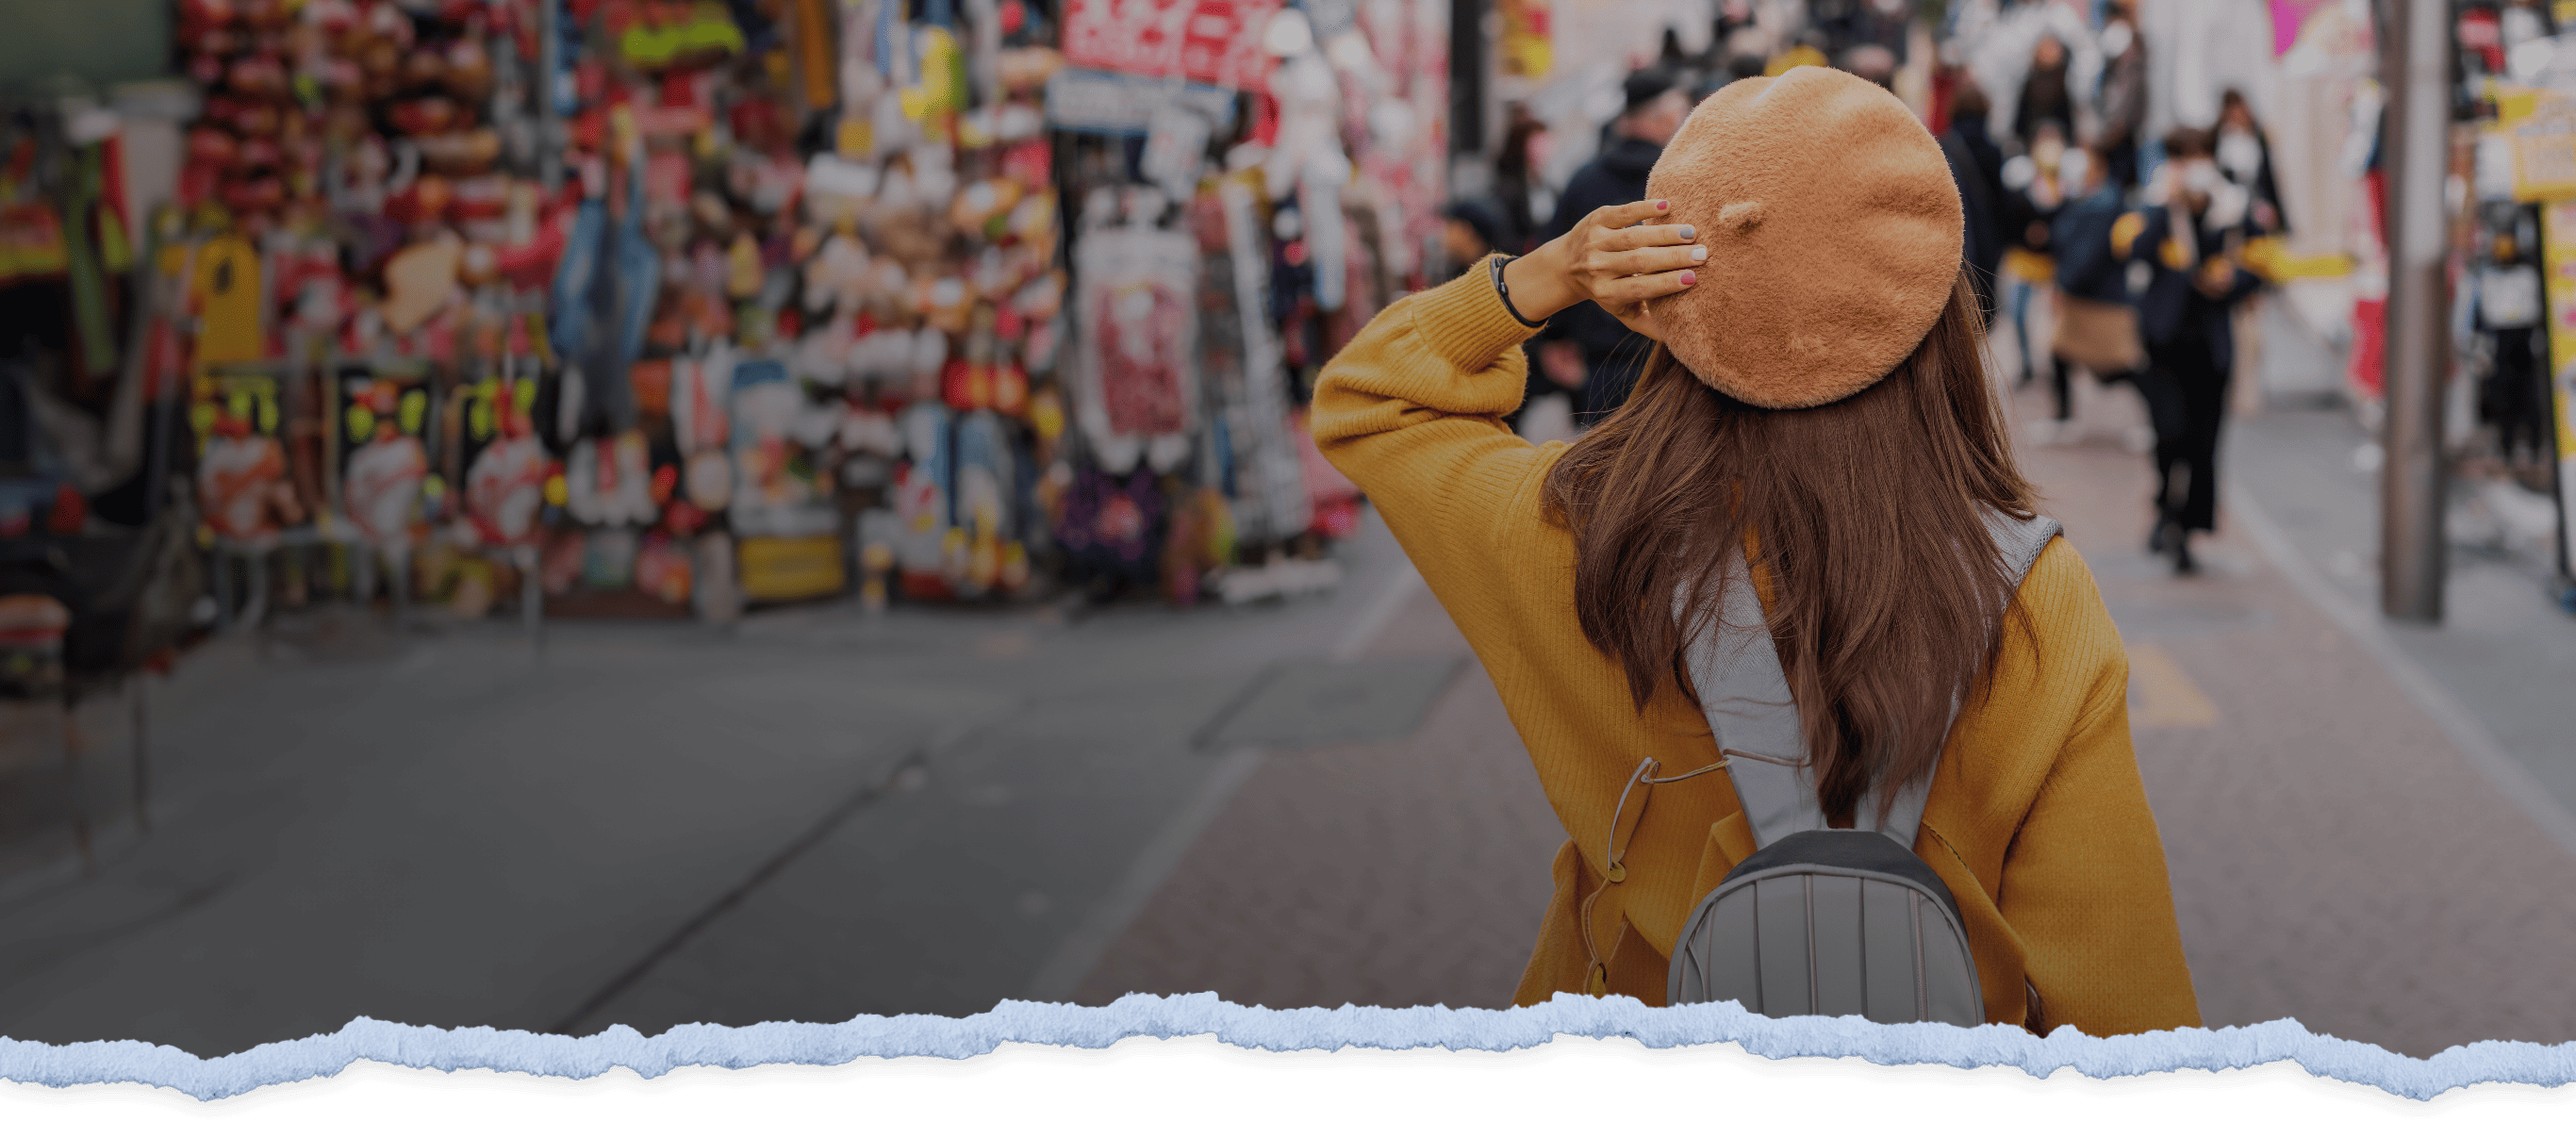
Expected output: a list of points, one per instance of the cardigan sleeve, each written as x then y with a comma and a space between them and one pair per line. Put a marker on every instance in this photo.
2084, 881
1412, 412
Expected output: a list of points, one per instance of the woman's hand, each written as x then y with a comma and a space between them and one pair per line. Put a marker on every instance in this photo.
1610, 260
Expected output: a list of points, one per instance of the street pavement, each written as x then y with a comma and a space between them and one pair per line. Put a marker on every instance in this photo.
813, 816
817, 815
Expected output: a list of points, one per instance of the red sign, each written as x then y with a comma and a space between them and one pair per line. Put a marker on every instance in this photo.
1217, 42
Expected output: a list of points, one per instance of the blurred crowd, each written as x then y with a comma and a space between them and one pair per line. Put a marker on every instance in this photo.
2101, 251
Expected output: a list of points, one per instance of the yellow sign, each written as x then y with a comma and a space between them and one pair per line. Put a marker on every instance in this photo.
2558, 272
1528, 49
790, 568
2558, 278
2543, 126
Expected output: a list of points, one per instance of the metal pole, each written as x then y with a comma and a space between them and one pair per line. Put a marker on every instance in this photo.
2412, 477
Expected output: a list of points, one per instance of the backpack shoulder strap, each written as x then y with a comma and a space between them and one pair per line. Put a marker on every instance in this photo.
1745, 696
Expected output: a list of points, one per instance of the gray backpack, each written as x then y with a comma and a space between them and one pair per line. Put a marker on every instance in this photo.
1818, 920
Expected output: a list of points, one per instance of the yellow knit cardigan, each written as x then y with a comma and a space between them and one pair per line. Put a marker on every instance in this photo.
2037, 818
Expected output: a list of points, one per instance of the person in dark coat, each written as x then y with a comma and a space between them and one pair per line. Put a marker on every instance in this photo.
2088, 268
1470, 229
2244, 156
2029, 201
2045, 99
1584, 349
1978, 167
2123, 94
2190, 247
1515, 180
2092, 281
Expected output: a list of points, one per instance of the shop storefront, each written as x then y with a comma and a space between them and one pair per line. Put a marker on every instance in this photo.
657, 308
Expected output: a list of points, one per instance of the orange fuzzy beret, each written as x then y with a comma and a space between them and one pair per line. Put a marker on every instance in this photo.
1833, 231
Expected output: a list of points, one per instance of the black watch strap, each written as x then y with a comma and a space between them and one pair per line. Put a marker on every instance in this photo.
1505, 291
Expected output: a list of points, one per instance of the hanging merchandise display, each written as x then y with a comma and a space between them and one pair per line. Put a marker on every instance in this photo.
659, 307
1221, 257
242, 473
1135, 382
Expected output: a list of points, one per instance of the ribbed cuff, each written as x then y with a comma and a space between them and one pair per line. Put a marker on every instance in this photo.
1465, 322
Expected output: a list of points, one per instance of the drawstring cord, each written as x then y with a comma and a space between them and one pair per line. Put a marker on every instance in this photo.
1596, 971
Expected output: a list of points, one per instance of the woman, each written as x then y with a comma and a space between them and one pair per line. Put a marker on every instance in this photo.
2123, 96
1814, 392
2045, 100
2244, 156
1515, 181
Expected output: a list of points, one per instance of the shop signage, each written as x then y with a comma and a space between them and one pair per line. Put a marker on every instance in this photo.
2544, 147
1214, 42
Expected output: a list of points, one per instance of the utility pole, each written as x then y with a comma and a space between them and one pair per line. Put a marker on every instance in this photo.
2415, 70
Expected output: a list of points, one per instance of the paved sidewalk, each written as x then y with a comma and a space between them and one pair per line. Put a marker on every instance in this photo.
1389, 874
2335, 856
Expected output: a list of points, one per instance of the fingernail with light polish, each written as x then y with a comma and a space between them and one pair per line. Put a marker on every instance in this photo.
1699, 253
1690, 278
1687, 233
1663, 205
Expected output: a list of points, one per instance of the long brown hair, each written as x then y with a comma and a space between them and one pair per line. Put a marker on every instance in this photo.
1886, 590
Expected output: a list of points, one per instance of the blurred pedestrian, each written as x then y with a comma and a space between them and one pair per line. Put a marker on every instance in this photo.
1587, 350
2045, 101
1977, 165
2245, 157
1748, 53
1516, 187
1807, 49
1815, 458
1847, 24
2191, 238
2514, 398
2097, 328
1472, 229
2124, 94
1874, 63
2030, 200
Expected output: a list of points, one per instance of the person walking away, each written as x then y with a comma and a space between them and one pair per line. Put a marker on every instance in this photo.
1976, 165
2097, 328
1588, 351
1814, 441
2124, 94
2190, 237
